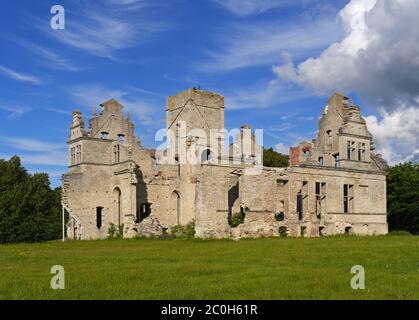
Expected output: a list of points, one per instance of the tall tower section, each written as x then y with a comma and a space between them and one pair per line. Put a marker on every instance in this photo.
111, 124
195, 118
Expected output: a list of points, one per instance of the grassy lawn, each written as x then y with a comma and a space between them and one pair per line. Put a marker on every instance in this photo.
193, 269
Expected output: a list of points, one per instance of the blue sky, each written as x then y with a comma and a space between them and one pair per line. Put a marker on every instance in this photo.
255, 53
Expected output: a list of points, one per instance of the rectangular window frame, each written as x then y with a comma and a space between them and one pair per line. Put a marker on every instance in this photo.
329, 135
348, 198
99, 217
337, 160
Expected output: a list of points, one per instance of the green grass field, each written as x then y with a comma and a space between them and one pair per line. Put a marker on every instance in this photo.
283, 268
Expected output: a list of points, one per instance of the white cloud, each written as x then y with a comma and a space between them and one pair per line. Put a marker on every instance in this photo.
396, 136
255, 44
282, 148
37, 152
306, 118
378, 58
13, 74
101, 30
125, 2
249, 7
50, 58
93, 95
259, 96
14, 111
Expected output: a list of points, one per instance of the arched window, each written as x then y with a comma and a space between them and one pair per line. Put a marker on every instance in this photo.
349, 230
117, 206
329, 136
206, 155
121, 138
176, 205
78, 154
116, 153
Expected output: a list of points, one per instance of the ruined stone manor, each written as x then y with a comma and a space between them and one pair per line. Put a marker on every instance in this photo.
335, 184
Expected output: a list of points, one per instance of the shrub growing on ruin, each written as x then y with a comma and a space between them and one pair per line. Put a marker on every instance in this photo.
283, 231
237, 219
115, 232
111, 231
184, 232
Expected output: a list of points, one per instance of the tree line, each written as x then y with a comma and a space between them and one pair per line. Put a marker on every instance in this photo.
30, 211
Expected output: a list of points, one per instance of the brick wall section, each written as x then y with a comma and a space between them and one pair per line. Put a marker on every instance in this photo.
294, 156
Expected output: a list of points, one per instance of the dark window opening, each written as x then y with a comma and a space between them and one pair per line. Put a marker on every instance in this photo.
99, 217
321, 161
137, 216
280, 216
145, 211
351, 151
318, 193
206, 155
361, 151
347, 198
318, 190
232, 198
281, 182
300, 206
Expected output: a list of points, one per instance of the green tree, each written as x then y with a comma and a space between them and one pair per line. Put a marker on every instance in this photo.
29, 209
272, 158
403, 197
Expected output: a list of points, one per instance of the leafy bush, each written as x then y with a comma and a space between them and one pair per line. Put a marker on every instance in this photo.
237, 219
283, 231
184, 232
114, 232
111, 231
